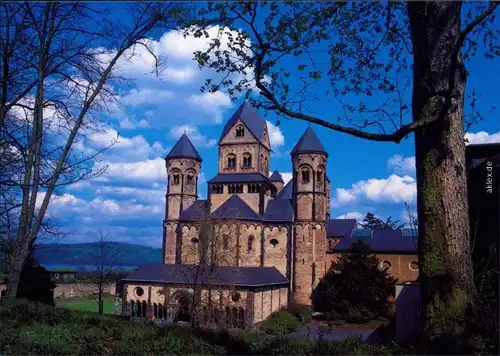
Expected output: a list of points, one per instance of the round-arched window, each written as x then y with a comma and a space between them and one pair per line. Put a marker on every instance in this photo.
235, 296
385, 265
414, 266
139, 291
274, 242
194, 240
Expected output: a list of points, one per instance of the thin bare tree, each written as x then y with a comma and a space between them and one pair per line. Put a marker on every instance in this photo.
58, 73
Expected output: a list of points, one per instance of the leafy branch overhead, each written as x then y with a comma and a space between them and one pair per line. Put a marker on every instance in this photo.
304, 56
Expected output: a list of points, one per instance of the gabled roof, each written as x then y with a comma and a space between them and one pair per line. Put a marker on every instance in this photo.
390, 241
340, 227
279, 210
190, 274
276, 177
184, 149
197, 211
250, 118
286, 192
309, 143
235, 208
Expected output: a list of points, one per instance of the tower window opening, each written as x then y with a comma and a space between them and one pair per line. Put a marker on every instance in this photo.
225, 242
247, 161
250, 243
190, 179
217, 189
231, 162
253, 188
305, 176
240, 131
319, 176
176, 179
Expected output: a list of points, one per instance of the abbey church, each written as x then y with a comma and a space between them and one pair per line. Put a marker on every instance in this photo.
255, 245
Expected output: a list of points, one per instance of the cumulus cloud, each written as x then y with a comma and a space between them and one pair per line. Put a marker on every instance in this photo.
194, 135
275, 135
352, 215
149, 170
211, 103
395, 189
402, 164
482, 137
147, 96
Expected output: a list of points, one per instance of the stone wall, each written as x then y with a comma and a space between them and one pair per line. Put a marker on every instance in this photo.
269, 301
68, 290
275, 254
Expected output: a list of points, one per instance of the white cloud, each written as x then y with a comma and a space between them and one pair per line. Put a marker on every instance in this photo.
178, 75
156, 196
147, 96
275, 135
402, 164
352, 215
482, 137
287, 176
211, 103
194, 135
150, 170
395, 189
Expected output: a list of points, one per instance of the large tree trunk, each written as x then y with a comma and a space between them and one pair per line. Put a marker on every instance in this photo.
446, 273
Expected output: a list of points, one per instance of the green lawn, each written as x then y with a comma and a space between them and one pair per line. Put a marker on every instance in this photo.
86, 304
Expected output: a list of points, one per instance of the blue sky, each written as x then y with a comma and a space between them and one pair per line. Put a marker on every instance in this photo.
151, 113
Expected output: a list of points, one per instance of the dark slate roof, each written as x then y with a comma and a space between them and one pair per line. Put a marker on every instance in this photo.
279, 210
197, 211
287, 191
190, 274
309, 143
250, 118
235, 208
382, 241
276, 177
239, 178
184, 149
340, 227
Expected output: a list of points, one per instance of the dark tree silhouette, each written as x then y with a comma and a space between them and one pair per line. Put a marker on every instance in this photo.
373, 222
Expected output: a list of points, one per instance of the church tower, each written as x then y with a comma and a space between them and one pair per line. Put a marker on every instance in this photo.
309, 159
183, 164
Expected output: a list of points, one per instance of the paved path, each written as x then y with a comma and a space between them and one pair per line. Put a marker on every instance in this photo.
335, 334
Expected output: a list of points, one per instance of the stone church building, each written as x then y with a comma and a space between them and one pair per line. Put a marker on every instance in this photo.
255, 245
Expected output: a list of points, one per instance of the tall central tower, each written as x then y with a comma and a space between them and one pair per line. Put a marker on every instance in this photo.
183, 166
310, 200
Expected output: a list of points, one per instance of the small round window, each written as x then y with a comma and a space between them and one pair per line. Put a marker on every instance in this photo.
139, 291
194, 240
235, 296
385, 265
414, 265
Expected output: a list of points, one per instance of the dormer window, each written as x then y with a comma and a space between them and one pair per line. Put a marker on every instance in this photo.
176, 179
231, 161
305, 176
240, 131
247, 160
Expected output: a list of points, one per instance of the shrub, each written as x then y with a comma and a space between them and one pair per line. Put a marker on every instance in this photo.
280, 323
303, 313
337, 322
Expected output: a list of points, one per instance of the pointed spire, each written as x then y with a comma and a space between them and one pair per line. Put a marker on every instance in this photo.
184, 149
309, 143
276, 177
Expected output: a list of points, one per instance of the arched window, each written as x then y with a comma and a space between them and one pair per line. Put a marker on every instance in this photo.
305, 176
144, 309
217, 189
247, 160
190, 179
231, 161
319, 175
133, 308
176, 179
250, 243
264, 163
385, 265
274, 242
240, 131
155, 310
241, 317
225, 242
160, 311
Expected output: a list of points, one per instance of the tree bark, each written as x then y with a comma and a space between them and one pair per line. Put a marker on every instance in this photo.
446, 275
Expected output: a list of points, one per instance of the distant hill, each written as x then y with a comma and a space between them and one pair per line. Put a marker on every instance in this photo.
89, 253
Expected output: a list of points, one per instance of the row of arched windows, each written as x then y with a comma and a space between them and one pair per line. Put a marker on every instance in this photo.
138, 308
247, 161
250, 242
306, 175
235, 188
176, 179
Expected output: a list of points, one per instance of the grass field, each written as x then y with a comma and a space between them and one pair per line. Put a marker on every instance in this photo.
86, 304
